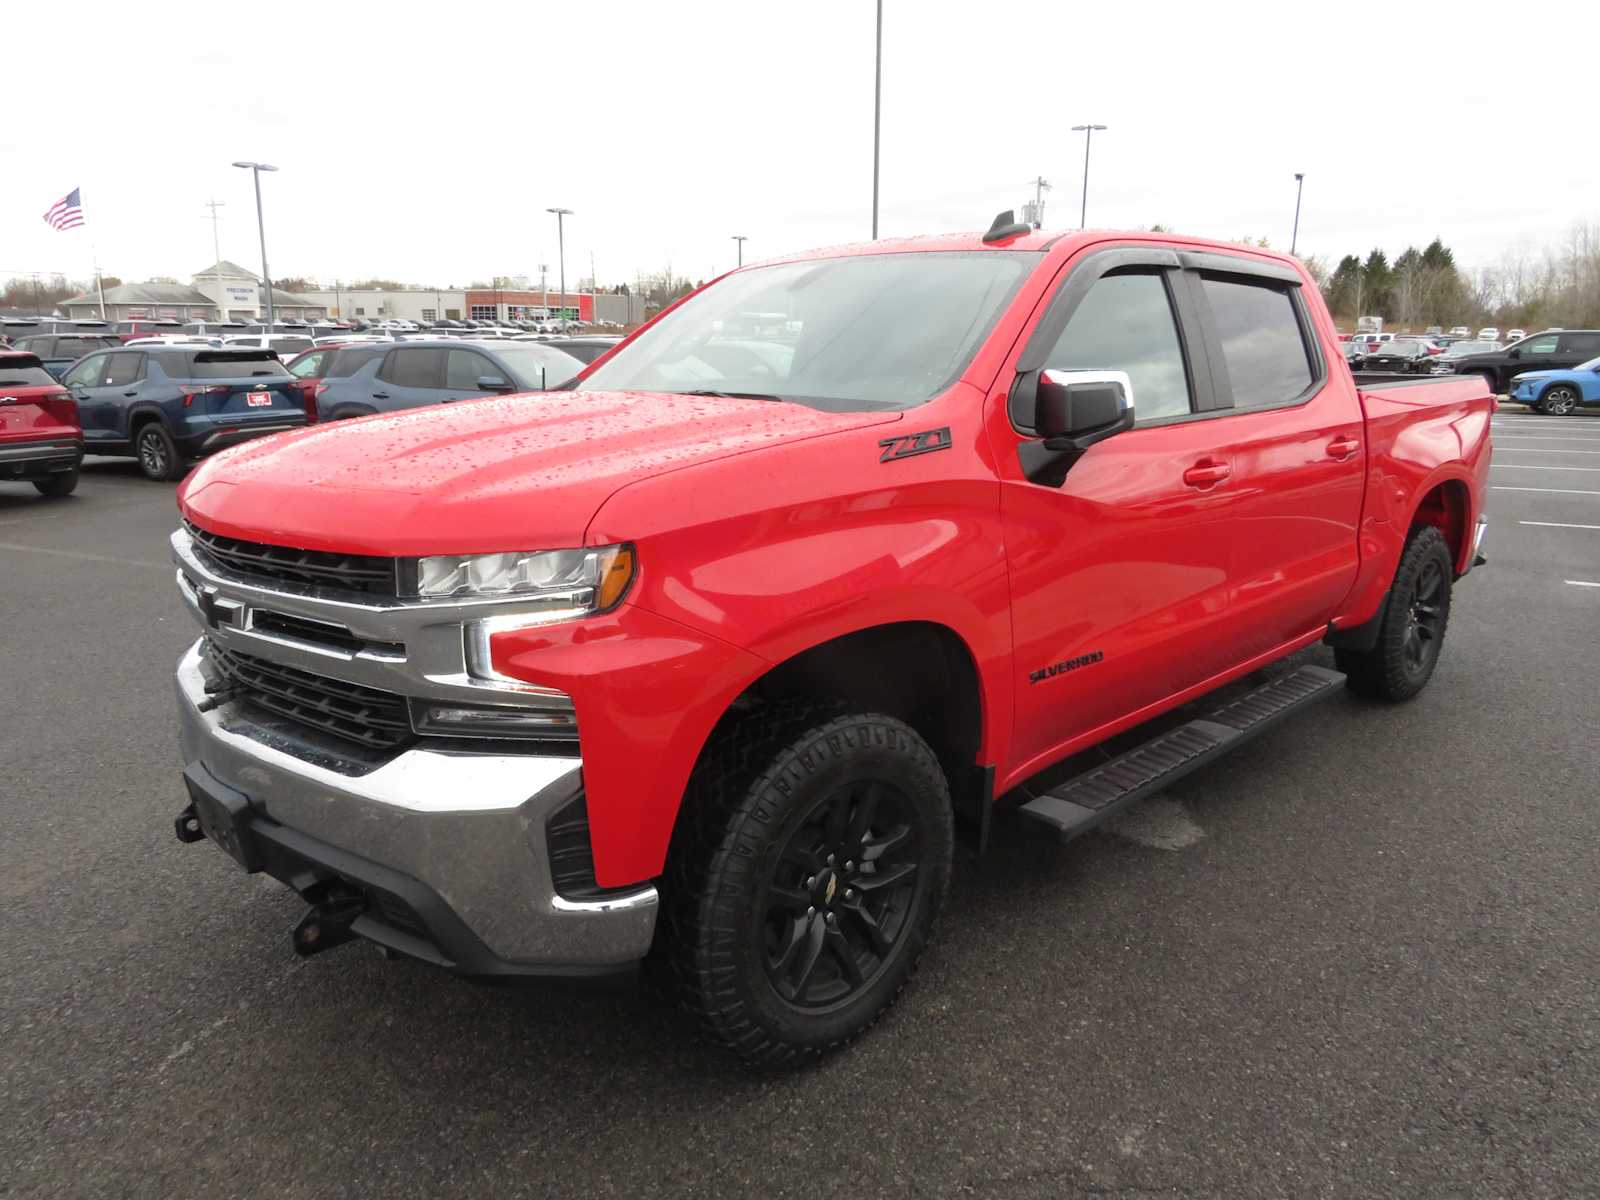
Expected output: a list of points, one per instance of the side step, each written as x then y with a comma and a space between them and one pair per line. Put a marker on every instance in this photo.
1084, 802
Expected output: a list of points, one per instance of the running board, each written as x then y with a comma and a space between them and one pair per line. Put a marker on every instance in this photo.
1084, 802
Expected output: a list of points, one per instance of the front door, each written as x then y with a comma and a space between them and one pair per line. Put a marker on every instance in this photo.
1119, 569
83, 381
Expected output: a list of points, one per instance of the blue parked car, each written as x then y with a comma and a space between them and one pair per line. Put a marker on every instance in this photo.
1558, 392
59, 351
165, 405
418, 373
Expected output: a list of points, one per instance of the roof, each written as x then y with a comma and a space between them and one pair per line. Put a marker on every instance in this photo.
146, 293
228, 270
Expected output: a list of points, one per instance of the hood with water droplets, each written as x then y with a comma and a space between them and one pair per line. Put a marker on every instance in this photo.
506, 473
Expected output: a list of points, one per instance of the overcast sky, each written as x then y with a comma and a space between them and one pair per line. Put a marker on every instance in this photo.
425, 142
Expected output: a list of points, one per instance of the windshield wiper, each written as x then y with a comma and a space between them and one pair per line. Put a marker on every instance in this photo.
731, 395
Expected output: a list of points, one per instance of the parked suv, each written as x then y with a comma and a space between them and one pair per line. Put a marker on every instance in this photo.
1552, 350
287, 345
59, 351
166, 405
40, 440
145, 327
415, 374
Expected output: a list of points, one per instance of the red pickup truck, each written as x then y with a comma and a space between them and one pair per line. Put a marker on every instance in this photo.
41, 440
710, 661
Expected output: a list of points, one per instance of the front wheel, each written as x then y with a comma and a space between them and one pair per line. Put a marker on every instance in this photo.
1558, 401
805, 882
1411, 634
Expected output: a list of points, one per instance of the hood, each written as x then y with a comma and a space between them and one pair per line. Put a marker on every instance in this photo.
506, 473
1538, 374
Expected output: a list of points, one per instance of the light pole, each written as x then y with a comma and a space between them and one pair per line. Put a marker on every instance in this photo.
255, 169
561, 252
1299, 186
877, 114
741, 239
1088, 132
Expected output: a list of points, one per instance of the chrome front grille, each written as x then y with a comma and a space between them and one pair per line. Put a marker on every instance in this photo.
362, 574
369, 717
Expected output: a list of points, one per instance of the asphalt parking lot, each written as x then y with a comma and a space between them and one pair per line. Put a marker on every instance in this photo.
1356, 958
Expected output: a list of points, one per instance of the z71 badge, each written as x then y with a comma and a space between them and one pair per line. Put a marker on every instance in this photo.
908, 444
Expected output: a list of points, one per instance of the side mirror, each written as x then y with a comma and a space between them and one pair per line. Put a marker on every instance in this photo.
1075, 409
1513, 353
493, 383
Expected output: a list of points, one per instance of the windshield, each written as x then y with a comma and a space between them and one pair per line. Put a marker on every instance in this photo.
1401, 349
879, 331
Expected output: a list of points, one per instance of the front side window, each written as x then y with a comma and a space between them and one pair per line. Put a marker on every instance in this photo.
87, 373
308, 366
123, 369
1539, 345
852, 334
1263, 346
464, 367
1125, 323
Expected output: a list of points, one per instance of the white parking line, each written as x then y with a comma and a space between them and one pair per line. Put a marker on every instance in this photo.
98, 558
1546, 450
1536, 437
1582, 583
1558, 525
1537, 467
1500, 487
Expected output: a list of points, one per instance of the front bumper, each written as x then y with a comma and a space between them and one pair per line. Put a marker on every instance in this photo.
40, 460
458, 837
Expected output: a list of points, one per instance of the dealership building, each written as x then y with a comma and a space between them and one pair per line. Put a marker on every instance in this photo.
477, 304
223, 291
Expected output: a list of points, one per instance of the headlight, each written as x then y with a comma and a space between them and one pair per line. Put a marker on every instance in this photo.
566, 583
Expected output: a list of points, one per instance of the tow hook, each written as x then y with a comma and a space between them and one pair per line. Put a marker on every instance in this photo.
334, 909
187, 826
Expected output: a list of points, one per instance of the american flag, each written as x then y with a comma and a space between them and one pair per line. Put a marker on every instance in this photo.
65, 212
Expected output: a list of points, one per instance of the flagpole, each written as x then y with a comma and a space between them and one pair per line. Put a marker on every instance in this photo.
94, 258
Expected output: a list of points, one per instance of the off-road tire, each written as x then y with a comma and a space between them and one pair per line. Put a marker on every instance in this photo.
761, 784
1391, 670
58, 485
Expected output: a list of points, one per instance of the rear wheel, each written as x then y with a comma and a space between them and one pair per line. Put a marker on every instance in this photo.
58, 485
1558, 401
1411, 635
157, 453
805, 882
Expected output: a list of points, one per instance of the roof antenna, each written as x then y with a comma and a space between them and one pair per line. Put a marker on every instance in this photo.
1005, 226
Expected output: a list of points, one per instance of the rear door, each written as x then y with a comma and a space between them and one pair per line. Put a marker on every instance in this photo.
33, 406
1577, 347
411, 377
1294, 433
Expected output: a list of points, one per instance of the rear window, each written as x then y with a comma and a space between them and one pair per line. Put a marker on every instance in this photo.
1262, 343
75, 346
289, 346
23, 375
212, 364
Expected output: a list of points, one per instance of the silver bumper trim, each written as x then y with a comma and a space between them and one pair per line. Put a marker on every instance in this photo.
471, 826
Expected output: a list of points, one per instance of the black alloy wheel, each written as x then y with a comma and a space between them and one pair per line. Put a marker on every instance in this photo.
1412, 627
1425, 619
839, 894
158, 457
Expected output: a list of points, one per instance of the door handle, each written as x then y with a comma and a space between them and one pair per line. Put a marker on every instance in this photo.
1206, 472
8, 399
131, 392
1343, 447
380, 395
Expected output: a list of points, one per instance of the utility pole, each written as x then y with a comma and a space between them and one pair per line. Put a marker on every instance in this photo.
545, 289
1299, 186
561, 253
741, 239
877, 114
255, 169
1041, 185
216, 259
1088, 132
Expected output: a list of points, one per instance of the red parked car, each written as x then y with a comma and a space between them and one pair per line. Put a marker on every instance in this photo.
714, 658
40, 438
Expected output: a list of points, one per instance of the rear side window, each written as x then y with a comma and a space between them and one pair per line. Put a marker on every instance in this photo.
419, 367
38, 345
74, 346
1125, 323
238, 365
1584, 345
350, 360
174, 362
1263, 346
24, 376
123, 369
